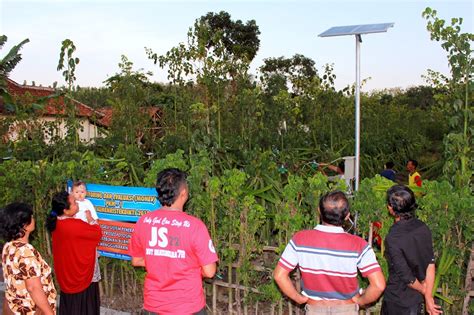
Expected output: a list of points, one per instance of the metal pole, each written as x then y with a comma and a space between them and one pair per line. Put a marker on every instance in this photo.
357, 113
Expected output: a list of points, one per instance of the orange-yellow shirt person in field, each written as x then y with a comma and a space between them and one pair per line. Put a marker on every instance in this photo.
414, 178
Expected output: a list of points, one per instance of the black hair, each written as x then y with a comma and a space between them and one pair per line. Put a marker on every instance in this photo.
414, 162
14, 218
169, 183
342, 166
389, 165
402, 200
334, 208
59, 202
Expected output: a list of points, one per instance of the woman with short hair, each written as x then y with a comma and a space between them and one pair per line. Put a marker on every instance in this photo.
29, 284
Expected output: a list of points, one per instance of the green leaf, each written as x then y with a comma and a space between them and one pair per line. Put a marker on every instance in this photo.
445, 299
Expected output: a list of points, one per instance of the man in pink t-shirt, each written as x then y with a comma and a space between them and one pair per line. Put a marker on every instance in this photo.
176, 250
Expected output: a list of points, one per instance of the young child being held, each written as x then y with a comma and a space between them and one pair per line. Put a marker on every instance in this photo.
87, 214
79, 192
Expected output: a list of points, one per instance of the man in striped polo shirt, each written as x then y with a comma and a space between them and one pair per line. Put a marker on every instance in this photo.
328, 259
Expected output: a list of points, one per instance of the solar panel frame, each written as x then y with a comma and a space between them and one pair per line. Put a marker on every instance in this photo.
356, 29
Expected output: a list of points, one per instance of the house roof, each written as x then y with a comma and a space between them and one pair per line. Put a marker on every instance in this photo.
107, 112
107, 115
54, 106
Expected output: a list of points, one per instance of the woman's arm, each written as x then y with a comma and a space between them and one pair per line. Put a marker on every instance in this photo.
6, 309
35, 288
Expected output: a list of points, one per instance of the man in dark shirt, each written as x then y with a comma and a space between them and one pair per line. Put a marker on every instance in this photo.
388, 171
409, 251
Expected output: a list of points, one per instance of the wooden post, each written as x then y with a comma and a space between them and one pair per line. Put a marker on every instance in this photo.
214, 299
298, 287
468, 282
371, 231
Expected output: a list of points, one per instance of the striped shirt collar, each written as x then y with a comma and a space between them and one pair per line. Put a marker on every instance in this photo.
329, 228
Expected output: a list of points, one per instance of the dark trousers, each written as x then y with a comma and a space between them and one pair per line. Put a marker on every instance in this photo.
201, 312
86, 302
390, 308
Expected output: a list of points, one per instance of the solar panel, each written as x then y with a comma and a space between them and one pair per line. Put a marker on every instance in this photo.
356, 29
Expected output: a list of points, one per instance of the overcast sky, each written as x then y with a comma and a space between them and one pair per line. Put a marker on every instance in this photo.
103, 30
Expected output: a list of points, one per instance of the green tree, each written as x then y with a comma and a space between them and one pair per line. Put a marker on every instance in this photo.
8, 63
289, 73
129, 100
95, 97
177, 60
69, 73
67, 62
458, 143
239, 40
216, 60
226, 48
421, 96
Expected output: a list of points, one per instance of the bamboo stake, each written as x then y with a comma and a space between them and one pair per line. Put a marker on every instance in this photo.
122, 279
48, 243
134, 282
298, 287
112, 280
214, 299
371, 230
106, 280
101, 288
229, 279
246, 311
238, 299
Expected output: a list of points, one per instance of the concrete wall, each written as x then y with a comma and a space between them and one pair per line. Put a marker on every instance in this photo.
52, 126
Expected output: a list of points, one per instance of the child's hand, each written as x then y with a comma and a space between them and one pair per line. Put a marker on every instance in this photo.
89, 216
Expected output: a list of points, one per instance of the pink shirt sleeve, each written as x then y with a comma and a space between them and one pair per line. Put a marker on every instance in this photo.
135, 247
203, 246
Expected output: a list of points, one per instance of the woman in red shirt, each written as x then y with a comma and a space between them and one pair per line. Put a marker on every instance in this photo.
74, 245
